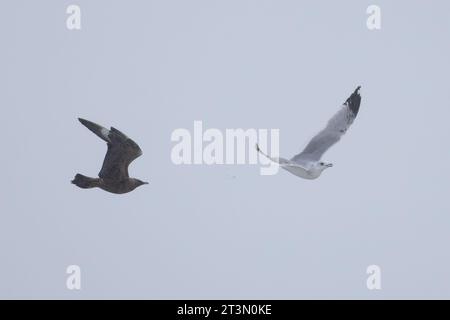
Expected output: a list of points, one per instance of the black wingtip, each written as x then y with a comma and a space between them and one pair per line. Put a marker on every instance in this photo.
88, 124
354, 101
95, 128
83, 121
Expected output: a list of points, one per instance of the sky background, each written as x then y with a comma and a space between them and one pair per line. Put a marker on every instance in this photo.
225, 231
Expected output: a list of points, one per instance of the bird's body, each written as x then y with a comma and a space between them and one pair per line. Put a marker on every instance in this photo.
110, 185
305, 173
307, 164
305, 170
113, 176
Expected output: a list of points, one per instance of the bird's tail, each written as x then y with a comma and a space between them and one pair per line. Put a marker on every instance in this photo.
85, 182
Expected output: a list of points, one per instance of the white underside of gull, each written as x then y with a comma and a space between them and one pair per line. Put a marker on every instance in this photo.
308, 172
300, 171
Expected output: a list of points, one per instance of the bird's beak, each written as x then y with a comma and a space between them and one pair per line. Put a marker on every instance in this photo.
146, 182
329, 165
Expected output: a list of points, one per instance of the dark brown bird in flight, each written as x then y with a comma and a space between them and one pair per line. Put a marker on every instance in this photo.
113, 176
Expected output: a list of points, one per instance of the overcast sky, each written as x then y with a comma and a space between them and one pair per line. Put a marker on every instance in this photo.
224, 231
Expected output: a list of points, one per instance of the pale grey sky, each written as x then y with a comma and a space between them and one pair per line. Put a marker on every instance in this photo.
150, 67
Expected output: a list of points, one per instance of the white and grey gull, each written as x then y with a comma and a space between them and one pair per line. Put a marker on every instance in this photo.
307, 164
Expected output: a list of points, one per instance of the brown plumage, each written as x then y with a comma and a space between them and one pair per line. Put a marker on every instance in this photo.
113, 176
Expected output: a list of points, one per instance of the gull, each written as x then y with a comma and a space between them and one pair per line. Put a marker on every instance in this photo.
113, 176
307, 164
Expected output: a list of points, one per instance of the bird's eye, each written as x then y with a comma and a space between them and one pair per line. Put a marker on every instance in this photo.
321, 163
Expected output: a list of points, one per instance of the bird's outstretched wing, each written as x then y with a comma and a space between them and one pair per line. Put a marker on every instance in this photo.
121, 151
335, 129
101, 132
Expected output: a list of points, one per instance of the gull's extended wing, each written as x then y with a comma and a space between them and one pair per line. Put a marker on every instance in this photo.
337, 126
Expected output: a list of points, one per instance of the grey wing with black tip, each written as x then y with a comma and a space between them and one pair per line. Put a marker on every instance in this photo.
337, 126
121, 152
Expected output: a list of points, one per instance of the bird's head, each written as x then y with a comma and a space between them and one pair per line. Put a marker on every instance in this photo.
323, 165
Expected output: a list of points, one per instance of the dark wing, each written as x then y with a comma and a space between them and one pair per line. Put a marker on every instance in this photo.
335, 129
97, 129
121, 152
